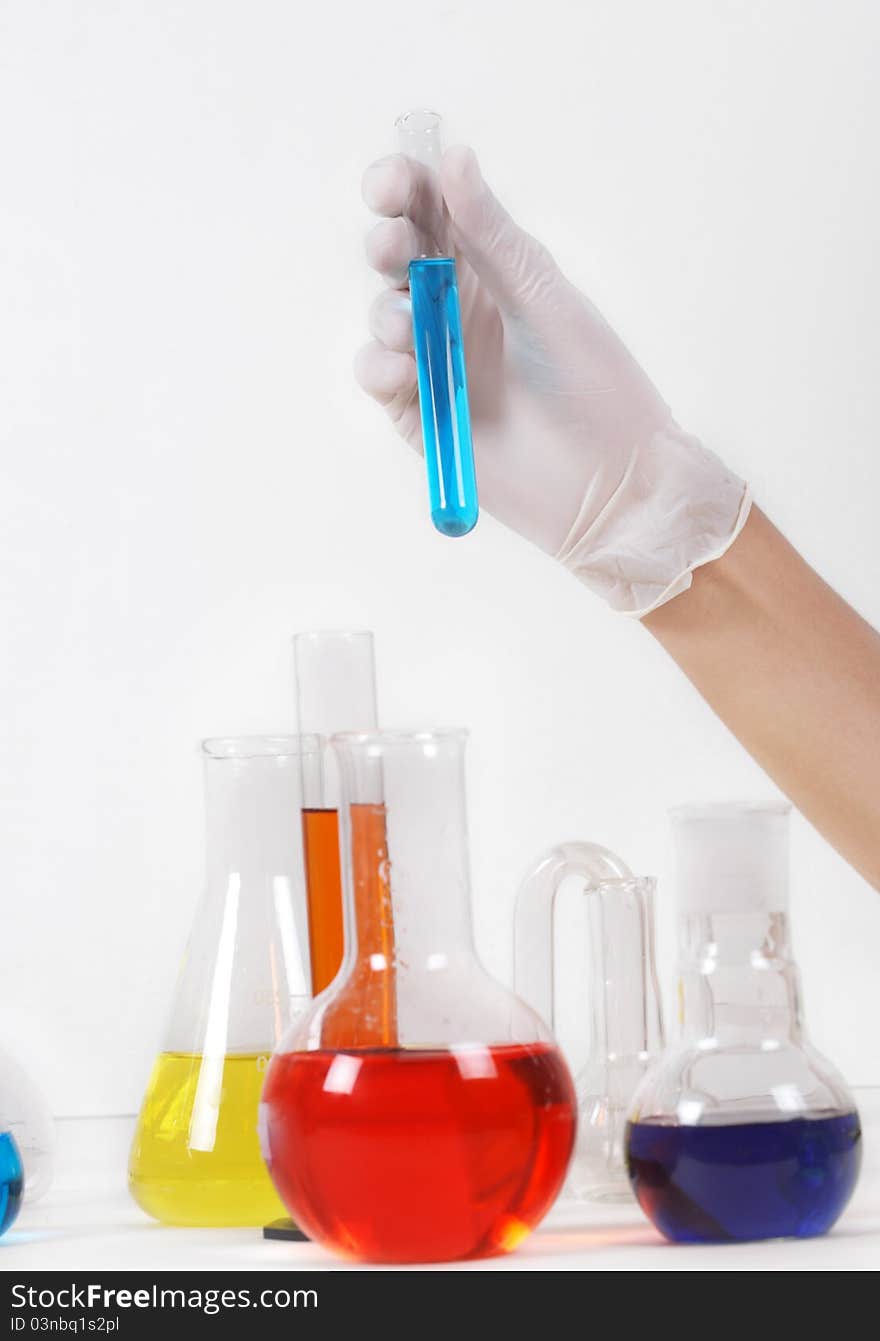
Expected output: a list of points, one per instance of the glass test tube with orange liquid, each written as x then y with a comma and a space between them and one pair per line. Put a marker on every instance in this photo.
336, 690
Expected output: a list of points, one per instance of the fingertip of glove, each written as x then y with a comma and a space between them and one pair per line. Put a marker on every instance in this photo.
383, 373
362, 365
460, 176
384, 185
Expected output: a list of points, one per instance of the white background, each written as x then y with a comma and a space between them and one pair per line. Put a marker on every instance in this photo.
189, 473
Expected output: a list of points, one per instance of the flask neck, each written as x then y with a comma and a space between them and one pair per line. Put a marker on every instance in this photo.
398, 918
407, 891
246, 967
251, 814
404, 834
738, 981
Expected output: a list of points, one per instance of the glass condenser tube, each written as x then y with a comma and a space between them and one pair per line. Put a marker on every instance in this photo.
438, 344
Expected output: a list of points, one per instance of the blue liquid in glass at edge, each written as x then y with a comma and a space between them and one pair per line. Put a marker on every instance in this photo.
443, 398
11, 1181
750, 1180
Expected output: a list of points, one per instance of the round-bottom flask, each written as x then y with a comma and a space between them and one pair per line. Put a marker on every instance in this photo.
11, 1178
28, 1126
422, 1113
742, 1130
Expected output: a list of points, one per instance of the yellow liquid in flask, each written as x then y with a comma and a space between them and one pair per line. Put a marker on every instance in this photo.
196, 1156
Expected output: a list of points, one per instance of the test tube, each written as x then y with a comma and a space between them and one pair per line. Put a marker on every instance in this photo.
335, 691
438, 343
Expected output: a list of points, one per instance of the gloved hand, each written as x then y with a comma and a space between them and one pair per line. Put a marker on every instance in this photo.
574, 447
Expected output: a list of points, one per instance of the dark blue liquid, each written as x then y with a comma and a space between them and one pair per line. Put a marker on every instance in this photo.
753, 1180
11, 1181
443, 398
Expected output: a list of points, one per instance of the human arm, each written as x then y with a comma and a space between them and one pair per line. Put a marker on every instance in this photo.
578, 452
794, 673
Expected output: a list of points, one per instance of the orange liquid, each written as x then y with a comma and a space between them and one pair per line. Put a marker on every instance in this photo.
403, 1155
323, 895
364, 1010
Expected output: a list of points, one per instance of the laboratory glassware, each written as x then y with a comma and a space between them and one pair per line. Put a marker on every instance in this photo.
450, 1137
196, 1158
28, 1123
335, 691
624, 1019
12, 1178
438, 339
742, 1130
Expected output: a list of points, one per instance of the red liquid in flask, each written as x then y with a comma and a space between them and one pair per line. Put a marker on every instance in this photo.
398, 1155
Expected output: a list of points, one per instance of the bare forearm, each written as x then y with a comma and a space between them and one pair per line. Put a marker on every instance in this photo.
794, 672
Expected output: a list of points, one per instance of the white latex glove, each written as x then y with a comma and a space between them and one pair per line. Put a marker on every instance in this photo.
574, 447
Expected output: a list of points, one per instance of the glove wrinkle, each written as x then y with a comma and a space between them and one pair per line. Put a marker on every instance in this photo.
676, 507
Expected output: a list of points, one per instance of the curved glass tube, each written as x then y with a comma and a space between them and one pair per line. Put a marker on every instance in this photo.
624, 1021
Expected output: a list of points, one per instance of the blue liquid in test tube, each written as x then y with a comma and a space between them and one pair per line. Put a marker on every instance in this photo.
443, 398
438, 344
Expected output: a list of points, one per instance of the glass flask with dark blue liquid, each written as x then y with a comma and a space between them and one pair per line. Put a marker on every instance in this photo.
437, 341
742, 1130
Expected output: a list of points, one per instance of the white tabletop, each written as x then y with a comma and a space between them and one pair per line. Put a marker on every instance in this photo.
87, 1223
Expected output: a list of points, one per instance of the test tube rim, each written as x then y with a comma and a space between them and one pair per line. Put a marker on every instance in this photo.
312, 635
436, 121
394, 737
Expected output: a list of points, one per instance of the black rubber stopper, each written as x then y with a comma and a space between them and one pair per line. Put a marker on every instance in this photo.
285, 1229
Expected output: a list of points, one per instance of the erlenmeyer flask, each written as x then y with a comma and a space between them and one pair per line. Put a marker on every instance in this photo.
420, 1112
196, 1158
625, 1027
29, 1124
742, 1130
335, 691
